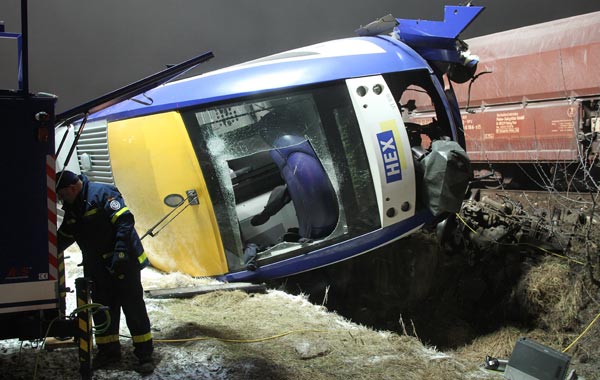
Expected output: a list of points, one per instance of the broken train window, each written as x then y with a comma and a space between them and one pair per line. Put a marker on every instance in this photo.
283, 170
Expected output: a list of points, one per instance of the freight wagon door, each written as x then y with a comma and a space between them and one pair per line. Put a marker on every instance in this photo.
154, 165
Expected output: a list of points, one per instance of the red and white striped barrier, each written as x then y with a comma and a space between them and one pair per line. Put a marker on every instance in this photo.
52, 235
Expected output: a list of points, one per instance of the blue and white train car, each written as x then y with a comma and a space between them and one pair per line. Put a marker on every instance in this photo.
293, 161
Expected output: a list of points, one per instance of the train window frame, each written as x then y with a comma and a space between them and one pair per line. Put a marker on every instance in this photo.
423, 88
334, 143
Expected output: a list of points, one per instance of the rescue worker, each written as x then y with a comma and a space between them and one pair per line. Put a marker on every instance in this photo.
97, 219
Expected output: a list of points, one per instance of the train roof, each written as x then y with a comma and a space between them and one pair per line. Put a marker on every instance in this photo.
551, 60
319, 63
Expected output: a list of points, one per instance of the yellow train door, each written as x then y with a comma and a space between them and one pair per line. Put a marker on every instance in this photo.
153, 164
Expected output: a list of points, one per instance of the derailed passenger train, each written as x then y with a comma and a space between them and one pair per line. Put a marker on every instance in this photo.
293, 161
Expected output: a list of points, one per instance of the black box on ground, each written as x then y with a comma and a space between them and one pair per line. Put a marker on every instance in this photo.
533, 361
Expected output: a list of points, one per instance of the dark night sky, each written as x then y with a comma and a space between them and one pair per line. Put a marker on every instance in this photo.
81, 49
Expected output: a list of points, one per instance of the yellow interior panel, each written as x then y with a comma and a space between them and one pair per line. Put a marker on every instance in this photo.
152, 157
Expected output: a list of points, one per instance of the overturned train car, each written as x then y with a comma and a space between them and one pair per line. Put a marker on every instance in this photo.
532, 116
290, 162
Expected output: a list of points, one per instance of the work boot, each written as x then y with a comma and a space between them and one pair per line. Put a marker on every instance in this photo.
105, 358
145, 366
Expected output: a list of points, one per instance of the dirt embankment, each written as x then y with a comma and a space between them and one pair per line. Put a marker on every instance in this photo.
481, 303
235, 335
380, 316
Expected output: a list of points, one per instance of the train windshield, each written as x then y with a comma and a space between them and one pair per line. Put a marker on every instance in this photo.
286, 173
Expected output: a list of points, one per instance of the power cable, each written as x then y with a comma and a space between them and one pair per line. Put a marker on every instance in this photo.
255, 340
94, 307
582, 334
589, 326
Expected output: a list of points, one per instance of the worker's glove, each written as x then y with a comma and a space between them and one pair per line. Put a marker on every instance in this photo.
119, 265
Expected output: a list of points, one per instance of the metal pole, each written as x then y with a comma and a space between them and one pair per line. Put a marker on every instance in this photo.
84, 332
62, 287
25, 49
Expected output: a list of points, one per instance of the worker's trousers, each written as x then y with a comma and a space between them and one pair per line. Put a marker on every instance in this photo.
117, 294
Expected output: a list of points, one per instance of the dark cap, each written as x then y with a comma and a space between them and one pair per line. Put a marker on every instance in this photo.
65, 178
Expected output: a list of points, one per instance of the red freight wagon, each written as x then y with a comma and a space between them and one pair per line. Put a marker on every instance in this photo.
532, 115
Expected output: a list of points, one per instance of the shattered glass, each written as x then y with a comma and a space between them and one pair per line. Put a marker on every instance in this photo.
236, 144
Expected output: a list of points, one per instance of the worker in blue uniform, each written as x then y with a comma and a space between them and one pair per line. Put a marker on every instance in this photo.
97, 219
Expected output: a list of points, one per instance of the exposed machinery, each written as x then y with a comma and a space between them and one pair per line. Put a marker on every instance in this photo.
486, 225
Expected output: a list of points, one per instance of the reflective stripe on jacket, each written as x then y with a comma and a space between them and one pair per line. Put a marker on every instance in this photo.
101, 224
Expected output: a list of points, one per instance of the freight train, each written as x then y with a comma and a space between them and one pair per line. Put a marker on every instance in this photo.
531, 113
289, 162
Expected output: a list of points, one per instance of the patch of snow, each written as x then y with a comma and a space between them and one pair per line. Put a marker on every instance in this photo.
382, 359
